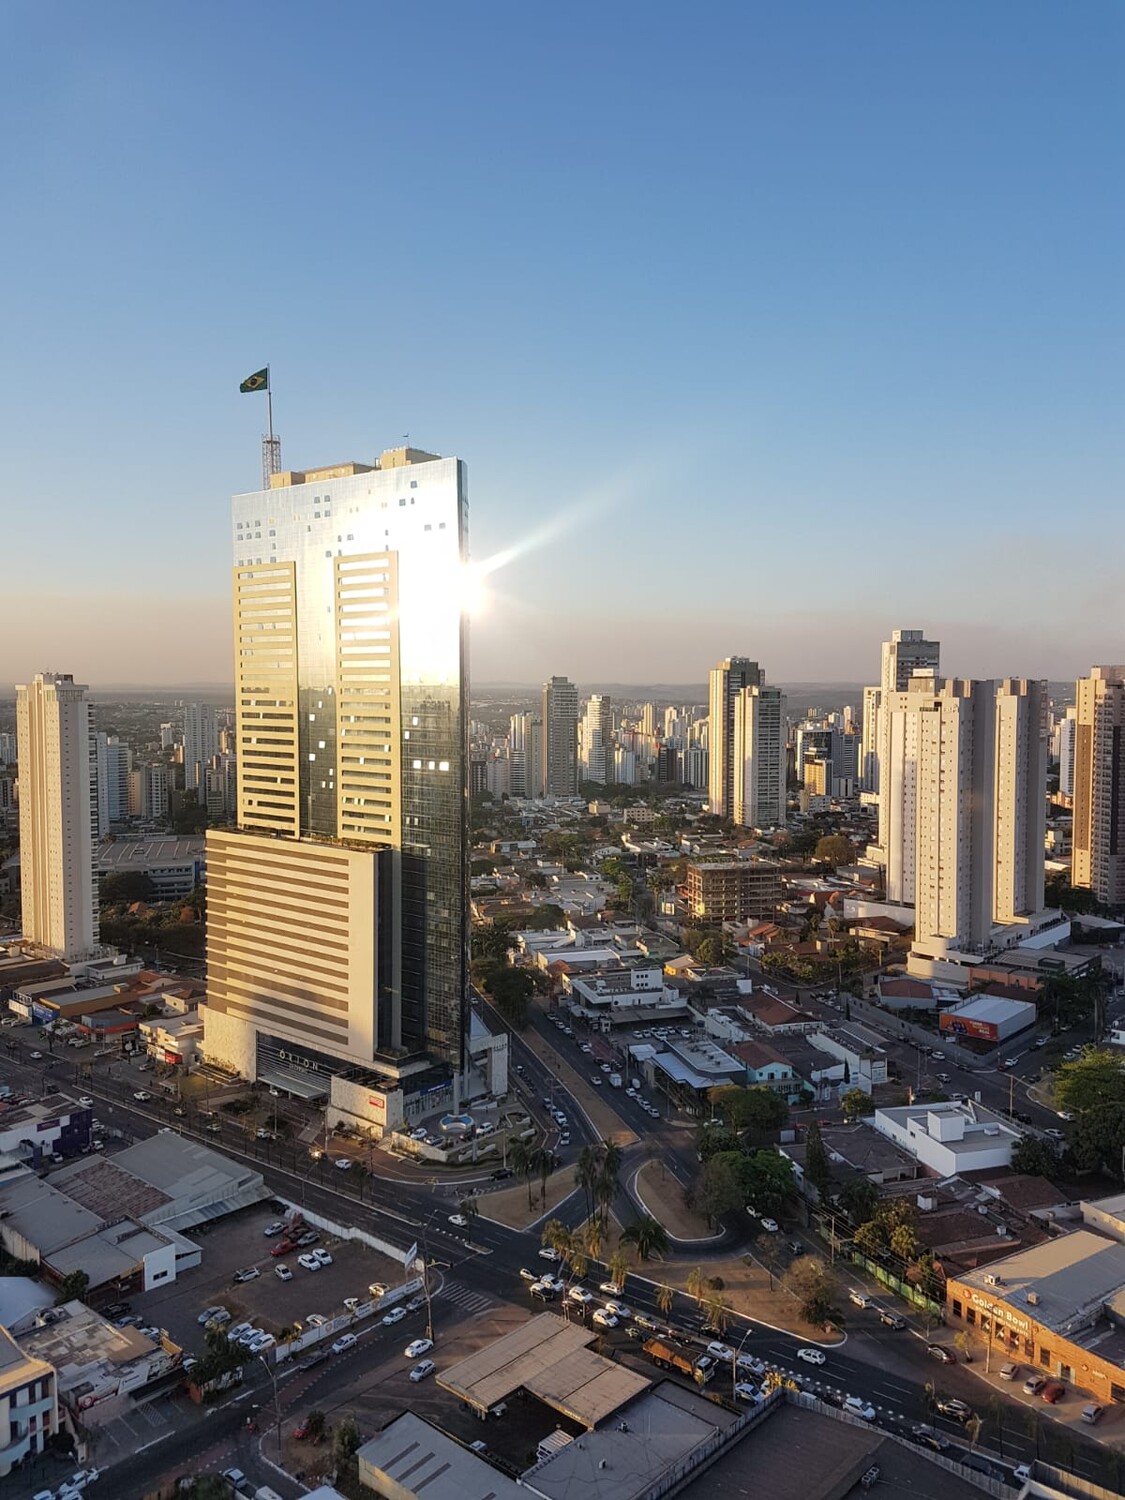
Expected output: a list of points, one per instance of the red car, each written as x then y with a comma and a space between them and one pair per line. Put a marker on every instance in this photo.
1053, 1391
282, 1247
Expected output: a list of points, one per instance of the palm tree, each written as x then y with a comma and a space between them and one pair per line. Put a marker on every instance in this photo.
547, 1163
665, 1296
586, 1175
697, 1285
594, 1237
559, 1238
716, 1311
522, 1160
647, 1237
607, 1183
618, 1268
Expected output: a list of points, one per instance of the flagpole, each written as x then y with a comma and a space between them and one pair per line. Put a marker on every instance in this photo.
269, 405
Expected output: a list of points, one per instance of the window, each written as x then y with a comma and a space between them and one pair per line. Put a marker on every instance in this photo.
1045, 1358
402, 500
413, 484
971, 1315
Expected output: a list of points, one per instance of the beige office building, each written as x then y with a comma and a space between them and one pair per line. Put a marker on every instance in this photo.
727, 682
58, 815
337, 935
758, 757
1099, 785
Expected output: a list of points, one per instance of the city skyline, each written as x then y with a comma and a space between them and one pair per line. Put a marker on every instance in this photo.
884, 333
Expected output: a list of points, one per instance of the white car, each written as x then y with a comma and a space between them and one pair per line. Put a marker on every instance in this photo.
344, 1163
548, 1254
459, 1220
745, 1392
811, 1356
618, 1309
860, 1408
747, 1364
309, 1262
418, 1348
526, 1275
395, 1315
138, 1094
344, 1342
610, 1287
720, 1351
210, 1312
85, 1102
604, 1319
283, 1273
579, 1294
277, 1227
261, 1342
770, 1226
322, 1256
422, 1369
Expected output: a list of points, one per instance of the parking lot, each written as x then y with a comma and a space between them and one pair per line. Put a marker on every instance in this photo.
272, 1304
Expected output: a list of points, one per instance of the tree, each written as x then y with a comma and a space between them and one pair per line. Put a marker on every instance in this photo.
817, 1172
697, 1285
129, 885
586, 1170
73, 1286
903, 1242
665, 1296
713, 951
857, 1105
1096, 1139
314, 1425
524, 1161
718, 1186
756, 1110
1094, 1079
648, 1237
347, 1440
607, 1184
511, 989
618, 1268
716, 1312
963, 1342
710, 1141
858, 1198
813, 1285
546, 1162
1034, 1156
766, 1181
834, 849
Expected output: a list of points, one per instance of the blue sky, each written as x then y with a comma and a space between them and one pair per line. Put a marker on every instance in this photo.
762, 328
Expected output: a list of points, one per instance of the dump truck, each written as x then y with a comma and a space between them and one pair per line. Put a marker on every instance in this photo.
682, 1357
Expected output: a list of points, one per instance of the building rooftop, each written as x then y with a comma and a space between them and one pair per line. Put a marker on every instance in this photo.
1058, 1281
19, 1296
966, 1129
417, 1459
99, 1184
77, 1337
990, 1009
657, 1431
43, 1216
551, 1359
758, 1054
130, 854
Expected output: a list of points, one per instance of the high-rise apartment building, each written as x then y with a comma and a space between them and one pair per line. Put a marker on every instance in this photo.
869, 751
758, 757
1098, 838
148, 792
338, 932
525, 753
560, 738
597, 739
7, 749
1067, 732
201, 742
114, 763
728, 680
58, 815
963, 789
904, 655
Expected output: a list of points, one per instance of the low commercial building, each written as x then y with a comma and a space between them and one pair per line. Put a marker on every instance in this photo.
864, 1059
731, 890
29, 1404
766, 1067
950, 1139
632, 995
176, 1041
987, 1018
1058, 1307
52, 1126
174, 866
411, 1460
97, 1364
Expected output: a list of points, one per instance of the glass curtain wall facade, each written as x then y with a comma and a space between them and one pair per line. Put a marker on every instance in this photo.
351, 675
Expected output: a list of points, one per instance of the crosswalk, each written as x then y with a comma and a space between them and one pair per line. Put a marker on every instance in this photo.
465, 1297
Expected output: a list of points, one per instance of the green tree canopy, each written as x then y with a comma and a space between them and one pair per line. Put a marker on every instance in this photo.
757, 1110
857, 1105
648, 1238
834, 849
811, 1282
129, 885
1035, 1156
1096, 1078
1097, 1138
816, 1160
767, 1181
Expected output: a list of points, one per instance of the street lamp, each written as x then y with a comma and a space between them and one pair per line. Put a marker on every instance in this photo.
992, 1312
272, 1373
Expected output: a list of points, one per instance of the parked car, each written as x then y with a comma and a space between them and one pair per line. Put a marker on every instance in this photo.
611, 1287
118, 1309
309, 1262
579, 1294
548, 1254
344, 1342
604, 1319
277, 1227
260, 1342
744, 1391
770, 1226
322, 1256
283, 1247
618, 1309
422, 1369
1052, 1392
747, 1364
526, 1275
1092, 1413
418, 1348
925, 1438
283, 1273
1009, 1372
1034, 1384
251, 1273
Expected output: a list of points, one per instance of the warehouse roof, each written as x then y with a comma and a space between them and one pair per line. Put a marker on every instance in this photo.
1066, 1276
992, 1010
418, 1459
550, 1359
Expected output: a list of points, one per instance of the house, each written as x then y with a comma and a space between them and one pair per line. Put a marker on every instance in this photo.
766, 1067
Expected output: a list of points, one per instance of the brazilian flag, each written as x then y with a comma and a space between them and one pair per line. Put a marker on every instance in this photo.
259, 381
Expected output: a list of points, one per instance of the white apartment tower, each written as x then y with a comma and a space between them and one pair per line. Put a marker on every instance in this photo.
114, 764
597, 739
727, 682
559, 755
869, 763
58, 815
758, 754
525, 753
201, 742
964, 786
1099, 784
1067, 732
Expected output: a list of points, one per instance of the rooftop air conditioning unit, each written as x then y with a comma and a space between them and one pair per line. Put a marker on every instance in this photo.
981, 1209
927, 1205
993, 1280
1033, 1298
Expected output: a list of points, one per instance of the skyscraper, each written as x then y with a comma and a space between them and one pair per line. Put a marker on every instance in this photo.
58, 815
560, 738
1067, 732
338, 912
597, 739
869, 768
525, 752
902, 656
727, 682
114, 763
201, 742
758, 757
1099, 784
